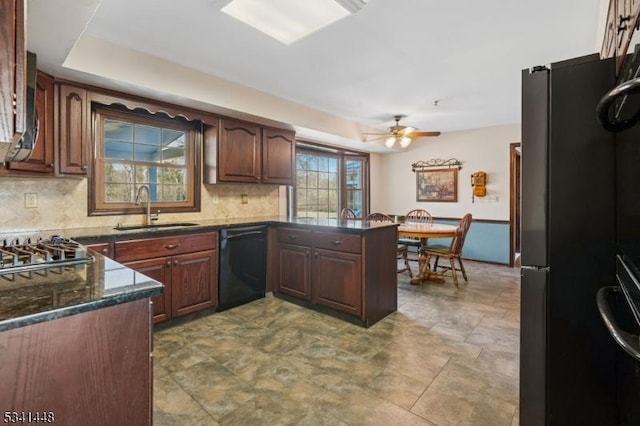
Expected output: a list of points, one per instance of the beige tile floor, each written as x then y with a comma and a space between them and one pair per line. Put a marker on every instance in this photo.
446, 357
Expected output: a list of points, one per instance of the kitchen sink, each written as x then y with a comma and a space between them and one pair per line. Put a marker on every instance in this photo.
154, 226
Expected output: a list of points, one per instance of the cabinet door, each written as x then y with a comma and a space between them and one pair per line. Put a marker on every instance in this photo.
238, 152
73, 119
13, 61
278, 156
337, 280
41, 160
194, 282
295, 265
158, 269
105, 249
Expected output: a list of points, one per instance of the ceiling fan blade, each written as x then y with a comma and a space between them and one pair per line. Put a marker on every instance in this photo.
376, 134
370, 137
422, 134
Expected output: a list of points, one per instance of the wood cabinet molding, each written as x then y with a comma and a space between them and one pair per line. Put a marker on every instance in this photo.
131, 102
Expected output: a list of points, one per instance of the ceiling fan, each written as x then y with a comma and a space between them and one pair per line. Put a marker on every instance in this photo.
401, 134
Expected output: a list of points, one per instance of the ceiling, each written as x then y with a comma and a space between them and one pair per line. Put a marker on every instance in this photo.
392, 57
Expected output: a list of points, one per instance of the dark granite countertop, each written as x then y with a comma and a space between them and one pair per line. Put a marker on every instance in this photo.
52, 293
104, 282
107, 233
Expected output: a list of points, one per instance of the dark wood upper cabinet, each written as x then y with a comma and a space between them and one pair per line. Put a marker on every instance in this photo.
246, 152
238, 151
42, 156
278, 156
13, 61
73, 130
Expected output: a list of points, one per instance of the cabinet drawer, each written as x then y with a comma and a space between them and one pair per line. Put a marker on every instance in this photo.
149, 248
339, 242
294, 236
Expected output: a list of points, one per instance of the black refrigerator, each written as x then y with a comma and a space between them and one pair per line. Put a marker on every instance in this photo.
568, 245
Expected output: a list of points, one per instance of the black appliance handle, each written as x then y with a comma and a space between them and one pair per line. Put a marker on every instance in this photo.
629, 87
627, 341
243, 234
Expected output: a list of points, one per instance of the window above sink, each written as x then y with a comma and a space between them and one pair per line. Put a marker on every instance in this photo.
134, 148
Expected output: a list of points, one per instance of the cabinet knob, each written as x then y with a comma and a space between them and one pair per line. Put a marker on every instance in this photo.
168, 263
50, 165
105, 250
84, 167
175, 263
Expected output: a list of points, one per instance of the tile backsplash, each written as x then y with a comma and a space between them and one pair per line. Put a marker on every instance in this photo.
62, 204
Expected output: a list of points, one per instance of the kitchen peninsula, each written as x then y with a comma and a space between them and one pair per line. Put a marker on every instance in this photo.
75, 344
344, 268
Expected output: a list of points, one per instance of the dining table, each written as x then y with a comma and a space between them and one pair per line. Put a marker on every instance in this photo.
424, 231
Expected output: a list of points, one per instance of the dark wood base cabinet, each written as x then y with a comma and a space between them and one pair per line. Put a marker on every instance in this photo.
92, 368
187, 265
352, 274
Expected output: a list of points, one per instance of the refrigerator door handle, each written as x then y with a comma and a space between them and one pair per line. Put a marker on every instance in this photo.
627, 341
612, 122
536, 268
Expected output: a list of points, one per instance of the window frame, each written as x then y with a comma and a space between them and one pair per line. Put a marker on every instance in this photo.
314, 148
193, 143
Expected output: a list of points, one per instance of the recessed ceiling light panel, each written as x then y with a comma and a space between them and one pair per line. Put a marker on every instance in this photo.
289, 20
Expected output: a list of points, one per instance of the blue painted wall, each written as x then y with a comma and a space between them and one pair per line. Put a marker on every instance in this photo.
486, 241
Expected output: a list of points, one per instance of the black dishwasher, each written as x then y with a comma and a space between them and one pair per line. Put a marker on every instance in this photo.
243, 265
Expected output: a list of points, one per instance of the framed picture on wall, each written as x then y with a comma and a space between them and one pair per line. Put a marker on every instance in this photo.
437, 185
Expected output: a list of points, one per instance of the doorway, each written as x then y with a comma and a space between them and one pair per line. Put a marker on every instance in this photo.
514, 204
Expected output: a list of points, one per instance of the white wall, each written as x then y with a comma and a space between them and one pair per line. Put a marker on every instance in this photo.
393, 184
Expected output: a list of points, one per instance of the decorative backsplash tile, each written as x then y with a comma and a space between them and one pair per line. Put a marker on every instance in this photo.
62, 204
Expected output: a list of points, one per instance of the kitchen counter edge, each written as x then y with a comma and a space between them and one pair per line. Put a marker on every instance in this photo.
114, 295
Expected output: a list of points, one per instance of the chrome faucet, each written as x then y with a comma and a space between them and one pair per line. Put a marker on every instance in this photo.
150, 217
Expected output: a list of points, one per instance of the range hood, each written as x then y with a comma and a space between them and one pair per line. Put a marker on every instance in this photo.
21, 147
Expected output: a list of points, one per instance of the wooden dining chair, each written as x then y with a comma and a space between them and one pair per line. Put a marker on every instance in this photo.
416, 216
452, 252
347, 214
402, 249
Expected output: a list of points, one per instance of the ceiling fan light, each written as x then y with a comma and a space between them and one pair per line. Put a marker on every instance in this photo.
408, 130
405, 142
390, 142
